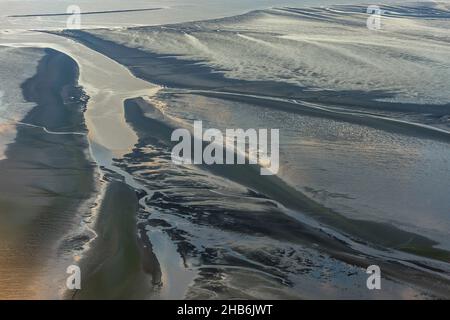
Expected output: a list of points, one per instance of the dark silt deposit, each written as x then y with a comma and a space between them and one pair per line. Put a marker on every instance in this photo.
229, 231
46, 181
117, 265
363, 173
175, 72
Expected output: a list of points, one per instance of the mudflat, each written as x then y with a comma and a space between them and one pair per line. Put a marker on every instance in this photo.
46, 179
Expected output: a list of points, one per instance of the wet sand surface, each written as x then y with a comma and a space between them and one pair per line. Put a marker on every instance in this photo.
230, 224
81, 13
208, 217
46, 181
178, 72
168, 231
107, 84
116, 265
150, 65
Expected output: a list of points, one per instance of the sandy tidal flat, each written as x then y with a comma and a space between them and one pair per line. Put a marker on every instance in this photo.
364, 157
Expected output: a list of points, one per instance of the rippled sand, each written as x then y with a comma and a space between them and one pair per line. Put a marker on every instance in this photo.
364, 159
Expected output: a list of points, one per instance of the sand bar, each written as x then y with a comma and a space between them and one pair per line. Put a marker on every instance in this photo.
106, 82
